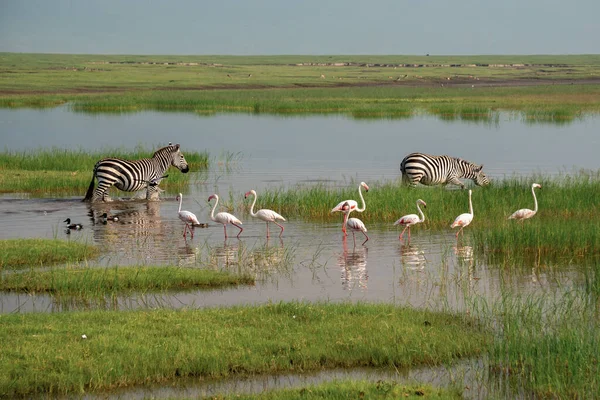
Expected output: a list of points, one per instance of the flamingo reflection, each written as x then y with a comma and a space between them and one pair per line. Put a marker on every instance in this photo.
412, 257
466, 260
353, 265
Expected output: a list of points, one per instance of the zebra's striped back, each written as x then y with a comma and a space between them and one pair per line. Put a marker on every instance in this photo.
131, 176
440, 170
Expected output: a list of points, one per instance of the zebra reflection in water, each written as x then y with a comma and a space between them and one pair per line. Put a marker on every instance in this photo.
139, 236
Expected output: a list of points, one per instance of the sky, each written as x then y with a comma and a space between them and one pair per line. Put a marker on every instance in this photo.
302, 27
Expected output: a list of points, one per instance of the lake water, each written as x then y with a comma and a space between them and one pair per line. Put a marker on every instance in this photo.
312, 261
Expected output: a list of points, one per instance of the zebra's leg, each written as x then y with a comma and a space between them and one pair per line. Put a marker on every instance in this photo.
454, 180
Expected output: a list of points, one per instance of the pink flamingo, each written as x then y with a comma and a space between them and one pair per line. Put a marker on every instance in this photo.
224, 217
352, 205
411, 219
525, 213
354, 224
188, 217
264, 214
464, 219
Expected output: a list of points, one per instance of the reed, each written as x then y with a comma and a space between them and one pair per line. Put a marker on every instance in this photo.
140, 347
548, 345
94, 282
22, 253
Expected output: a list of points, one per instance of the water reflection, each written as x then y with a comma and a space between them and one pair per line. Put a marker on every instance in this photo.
353, 264
140, 233
466, 266
225, 255
412, 256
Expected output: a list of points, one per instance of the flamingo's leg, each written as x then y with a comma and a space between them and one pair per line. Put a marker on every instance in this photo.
241, 229
225, 230
281, 226
267, 228
400, 237
367, 238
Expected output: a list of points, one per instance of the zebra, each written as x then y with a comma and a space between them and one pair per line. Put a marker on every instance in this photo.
131, 176
440, 170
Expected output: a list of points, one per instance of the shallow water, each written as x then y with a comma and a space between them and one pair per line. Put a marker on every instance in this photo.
312, 261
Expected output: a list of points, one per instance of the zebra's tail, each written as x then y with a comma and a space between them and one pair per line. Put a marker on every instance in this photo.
90, 191
405, 179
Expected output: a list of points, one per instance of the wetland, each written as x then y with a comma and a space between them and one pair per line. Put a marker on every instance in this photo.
520, 290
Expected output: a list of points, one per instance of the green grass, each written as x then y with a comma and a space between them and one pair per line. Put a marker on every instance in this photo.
364, 87
21, 253
89, 282
46, 354
44, 171
548, 345
341, 390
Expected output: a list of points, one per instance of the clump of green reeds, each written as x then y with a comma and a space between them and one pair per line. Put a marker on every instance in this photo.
548, 345
20, 253
219, 342
88, 282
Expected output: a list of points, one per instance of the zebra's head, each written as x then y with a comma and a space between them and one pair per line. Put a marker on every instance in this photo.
177, 158
480, 178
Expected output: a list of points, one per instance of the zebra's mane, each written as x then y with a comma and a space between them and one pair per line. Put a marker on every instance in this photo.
171, 148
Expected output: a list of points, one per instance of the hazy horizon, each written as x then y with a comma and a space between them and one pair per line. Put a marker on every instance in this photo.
271, 27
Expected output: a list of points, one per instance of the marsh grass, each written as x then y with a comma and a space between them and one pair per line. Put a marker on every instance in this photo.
46, 354
22, 253
62, 170
93, 282
344, 389
547, 345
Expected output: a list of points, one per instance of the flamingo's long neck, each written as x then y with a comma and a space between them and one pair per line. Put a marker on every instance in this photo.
212, 212
364, 205
534, 199
180, 200
252, 206
470, 204
420, 212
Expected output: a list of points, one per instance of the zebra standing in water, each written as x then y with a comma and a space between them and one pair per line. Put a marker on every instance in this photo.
131, 176
440, 170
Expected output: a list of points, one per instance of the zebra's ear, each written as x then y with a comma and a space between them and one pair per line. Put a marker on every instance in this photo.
177, 146
480, 168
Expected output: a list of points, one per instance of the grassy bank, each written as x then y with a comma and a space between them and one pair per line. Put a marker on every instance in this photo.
94, 282
56, 170
362, 86
22, 253
127, 348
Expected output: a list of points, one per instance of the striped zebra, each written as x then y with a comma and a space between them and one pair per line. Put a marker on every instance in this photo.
440, 170
131, 176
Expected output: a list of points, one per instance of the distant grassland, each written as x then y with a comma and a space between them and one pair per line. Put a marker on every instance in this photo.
362, 86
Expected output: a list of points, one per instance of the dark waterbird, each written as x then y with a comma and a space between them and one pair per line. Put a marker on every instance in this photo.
73, 226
